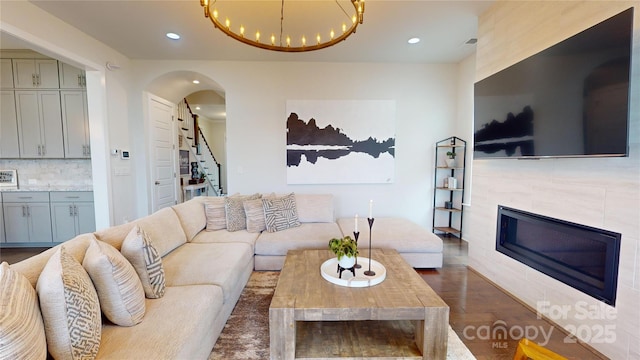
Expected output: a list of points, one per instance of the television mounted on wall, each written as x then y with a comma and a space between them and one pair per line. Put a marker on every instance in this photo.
569, 100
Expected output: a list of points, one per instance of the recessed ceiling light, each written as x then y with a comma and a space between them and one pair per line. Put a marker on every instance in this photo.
197, 107
173, 36
413, 40
196, 81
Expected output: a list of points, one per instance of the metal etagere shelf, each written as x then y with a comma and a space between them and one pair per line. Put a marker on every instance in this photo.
448, 195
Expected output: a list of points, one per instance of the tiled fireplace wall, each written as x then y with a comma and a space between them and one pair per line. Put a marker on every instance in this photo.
599, 192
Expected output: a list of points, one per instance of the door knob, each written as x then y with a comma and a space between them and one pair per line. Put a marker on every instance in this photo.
157, 182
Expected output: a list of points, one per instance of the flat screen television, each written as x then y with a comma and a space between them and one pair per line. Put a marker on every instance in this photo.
570, 100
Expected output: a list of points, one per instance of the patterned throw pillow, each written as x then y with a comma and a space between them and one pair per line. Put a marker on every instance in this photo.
70, 308
280, 213
21, 325
236, 218
117, 284
139, 250
216, 215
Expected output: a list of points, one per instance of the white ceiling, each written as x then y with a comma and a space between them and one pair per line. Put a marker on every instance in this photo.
137, 28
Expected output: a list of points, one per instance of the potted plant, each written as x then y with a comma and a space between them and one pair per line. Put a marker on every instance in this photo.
346, 249
451, 159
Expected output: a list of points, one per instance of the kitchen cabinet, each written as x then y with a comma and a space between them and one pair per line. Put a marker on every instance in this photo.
27, 217
72, 214
35, 74
6, 74
71, 77
2, 240
9, 147
39, 117
75, 124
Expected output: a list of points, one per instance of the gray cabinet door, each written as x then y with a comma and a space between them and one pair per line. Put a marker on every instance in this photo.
71, 77
2, 239
9, 147
39, 117
35, 74
75, 124
86, 217
6, 74
63, 221
39, 222
17, 222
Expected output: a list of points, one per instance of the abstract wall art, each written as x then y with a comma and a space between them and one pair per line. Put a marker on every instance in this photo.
340, 141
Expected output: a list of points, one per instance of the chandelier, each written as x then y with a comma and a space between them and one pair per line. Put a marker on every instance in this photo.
276, 37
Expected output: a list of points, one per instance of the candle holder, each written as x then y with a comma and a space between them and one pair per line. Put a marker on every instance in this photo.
369, 272
355, 235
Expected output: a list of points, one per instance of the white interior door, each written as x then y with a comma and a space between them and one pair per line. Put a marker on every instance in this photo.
162, 156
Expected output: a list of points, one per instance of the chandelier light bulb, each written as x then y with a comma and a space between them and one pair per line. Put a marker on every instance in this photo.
258, 36
288, 41
215, 13
273, 39
318, 38
304, 41
241, 30
228, 23
344, 27
332, 34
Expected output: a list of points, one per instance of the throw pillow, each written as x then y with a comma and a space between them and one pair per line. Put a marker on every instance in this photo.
118, 286
236, 218
139, 250
70, 308
280, 213
215, 213
21, 325
255, 215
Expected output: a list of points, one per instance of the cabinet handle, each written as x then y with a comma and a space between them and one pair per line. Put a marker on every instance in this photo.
33, 79
72, 197
39, 150
75, 210
28, 210
79, 80
24, 211
38, 78
71, 210
44, 150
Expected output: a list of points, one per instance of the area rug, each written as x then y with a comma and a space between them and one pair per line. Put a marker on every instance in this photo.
246, 333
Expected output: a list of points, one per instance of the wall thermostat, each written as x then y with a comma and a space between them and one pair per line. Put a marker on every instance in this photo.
124, 154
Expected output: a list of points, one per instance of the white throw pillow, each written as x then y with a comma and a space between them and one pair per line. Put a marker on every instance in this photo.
139, 250
215, 213
117, 284
70, 308
21, 325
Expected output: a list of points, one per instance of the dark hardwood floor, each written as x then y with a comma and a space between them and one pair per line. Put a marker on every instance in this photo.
480, 312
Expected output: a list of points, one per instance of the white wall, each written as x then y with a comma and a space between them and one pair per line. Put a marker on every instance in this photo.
256, 94
599, 192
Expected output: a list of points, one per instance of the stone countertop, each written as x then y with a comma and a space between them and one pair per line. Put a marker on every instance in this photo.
49, 188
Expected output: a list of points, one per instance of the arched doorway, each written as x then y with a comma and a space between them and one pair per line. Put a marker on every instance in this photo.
204, 139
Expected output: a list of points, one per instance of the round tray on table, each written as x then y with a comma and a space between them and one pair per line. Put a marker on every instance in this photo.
329, 271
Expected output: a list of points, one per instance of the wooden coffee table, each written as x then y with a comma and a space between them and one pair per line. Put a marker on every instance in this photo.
302, 295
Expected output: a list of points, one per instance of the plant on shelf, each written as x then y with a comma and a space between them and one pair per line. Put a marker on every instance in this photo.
346, 249
451, 159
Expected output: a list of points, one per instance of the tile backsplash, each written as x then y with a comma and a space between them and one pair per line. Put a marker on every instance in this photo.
53, 173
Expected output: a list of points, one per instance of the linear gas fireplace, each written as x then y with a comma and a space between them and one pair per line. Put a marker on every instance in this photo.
580, 256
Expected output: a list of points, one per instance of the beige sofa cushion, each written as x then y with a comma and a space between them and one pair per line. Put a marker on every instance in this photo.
21, 325
140, 250
212, 264
306, 236
192, 216
177, 326
315, 208
117, 284
164, 228
394, 233
70, 308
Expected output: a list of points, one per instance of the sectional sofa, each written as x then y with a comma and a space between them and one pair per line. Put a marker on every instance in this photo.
204, 266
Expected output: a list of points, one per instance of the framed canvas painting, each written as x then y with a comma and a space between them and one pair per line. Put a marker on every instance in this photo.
340, 141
